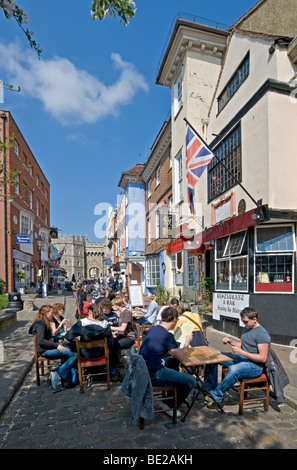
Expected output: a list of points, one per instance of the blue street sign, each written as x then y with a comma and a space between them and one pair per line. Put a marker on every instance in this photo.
23, 238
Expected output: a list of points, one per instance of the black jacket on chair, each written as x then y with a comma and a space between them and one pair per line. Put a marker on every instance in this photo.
90, 333
276, 375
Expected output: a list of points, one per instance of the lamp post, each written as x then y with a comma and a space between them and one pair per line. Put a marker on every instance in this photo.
39, 244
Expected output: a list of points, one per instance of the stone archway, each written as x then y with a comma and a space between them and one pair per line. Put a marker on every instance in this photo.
94, 272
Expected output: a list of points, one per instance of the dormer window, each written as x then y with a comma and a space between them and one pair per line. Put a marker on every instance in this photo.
178, 94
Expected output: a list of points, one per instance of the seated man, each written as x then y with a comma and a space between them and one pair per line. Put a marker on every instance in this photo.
156, 343
249, 355
150, 313
125, 335
109, 314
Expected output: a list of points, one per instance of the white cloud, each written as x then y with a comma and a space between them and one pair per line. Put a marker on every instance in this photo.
67, 92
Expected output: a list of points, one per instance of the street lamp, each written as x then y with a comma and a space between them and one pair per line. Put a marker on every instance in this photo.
39, 244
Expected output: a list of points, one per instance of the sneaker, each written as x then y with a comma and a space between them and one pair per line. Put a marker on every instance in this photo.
215, 396
169, 412
55, 378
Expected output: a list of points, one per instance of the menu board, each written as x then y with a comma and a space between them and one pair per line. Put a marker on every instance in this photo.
136, 297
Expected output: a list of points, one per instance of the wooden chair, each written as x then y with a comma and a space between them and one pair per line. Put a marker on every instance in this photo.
255, 384
159, 395
137, 343
143, 329
84, 363
41, 362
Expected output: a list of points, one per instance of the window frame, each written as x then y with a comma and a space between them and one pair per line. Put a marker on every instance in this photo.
149, 189
178, 178
229, 259
152, 271
158, 175
178, 94
280, 283
190, 270
229, 151
231, 88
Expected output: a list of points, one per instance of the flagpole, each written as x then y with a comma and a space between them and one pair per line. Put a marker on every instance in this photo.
258, 204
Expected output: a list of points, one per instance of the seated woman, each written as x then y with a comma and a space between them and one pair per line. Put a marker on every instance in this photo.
187, 316
125, 334
151, 312
48, 347
58, 325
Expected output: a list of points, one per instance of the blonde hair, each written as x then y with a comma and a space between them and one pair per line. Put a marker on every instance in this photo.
118, 302
150, 296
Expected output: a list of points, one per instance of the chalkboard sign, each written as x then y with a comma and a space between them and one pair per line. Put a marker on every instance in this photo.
136, 297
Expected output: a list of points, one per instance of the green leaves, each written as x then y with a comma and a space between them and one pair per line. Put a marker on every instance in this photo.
125, 9
12, 10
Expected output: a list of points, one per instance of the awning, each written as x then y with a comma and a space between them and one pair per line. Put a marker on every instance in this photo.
194, 243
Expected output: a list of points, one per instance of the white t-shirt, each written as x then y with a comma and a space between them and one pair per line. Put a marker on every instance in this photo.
90, 321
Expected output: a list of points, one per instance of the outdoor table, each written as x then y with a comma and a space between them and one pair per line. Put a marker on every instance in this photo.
197, 357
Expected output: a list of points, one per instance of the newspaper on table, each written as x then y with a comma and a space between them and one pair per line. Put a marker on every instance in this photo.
183, 331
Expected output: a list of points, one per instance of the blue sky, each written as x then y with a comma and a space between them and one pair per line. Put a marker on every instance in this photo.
89, 108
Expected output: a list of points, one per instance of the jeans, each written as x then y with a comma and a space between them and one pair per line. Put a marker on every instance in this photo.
240, 367
141, 320
184, 382
70, 357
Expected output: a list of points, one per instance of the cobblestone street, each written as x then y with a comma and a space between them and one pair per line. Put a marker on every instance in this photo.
39, 418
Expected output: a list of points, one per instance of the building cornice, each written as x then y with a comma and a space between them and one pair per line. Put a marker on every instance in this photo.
188, 35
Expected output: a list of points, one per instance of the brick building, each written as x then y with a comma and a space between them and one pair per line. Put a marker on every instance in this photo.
24, 211
157, 175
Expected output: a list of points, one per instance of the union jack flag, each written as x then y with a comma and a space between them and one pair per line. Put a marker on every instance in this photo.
198, 157
56, 261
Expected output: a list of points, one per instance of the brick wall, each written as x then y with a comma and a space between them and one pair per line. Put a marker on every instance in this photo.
31, 197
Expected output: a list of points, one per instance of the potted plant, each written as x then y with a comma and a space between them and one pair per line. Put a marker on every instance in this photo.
207, 284
161, 295
20, 275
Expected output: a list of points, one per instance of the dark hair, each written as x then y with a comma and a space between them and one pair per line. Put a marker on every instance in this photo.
97, 312
174, 301
169, 314
249, 312
106, 303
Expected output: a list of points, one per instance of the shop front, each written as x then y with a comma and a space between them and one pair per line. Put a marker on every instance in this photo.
254, 265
